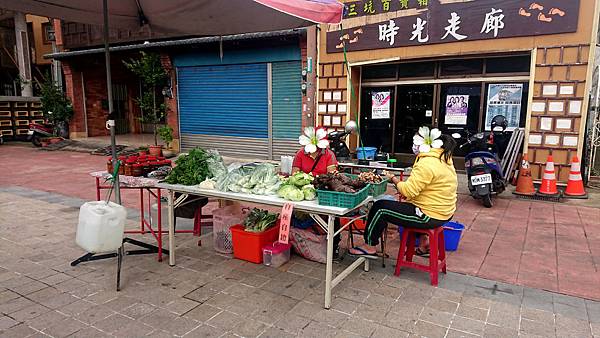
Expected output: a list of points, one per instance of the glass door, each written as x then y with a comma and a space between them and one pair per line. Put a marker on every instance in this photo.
377, 107
414, 108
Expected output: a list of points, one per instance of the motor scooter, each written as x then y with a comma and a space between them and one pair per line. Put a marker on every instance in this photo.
482, 164
337, 141
37, 131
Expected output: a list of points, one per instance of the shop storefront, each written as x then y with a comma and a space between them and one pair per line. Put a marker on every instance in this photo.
455, 65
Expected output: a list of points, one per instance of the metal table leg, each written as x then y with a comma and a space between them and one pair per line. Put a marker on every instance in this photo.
170, 196
329, 267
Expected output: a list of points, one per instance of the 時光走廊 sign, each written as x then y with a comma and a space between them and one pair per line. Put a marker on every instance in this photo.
424, 22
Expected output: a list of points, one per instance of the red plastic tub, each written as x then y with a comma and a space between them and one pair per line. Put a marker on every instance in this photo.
248, 245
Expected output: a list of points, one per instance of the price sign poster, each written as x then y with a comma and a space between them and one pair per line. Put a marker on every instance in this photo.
504, 99
284, 224
380, 106
457, 109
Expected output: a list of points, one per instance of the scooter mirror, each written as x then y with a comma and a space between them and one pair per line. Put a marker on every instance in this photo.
455, 135
351, 127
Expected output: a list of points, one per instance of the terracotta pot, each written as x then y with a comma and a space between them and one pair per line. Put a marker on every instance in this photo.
155, 150
142, 153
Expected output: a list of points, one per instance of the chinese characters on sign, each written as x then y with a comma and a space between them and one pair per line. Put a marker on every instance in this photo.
504, 99
380, 107
457, 108
284, 224
449, 22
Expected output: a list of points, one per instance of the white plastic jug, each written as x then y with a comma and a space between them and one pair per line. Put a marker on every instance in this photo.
101, 226
286, 164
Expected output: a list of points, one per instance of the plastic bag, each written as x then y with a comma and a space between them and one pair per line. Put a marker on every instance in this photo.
309, 245
223, 219
215, 164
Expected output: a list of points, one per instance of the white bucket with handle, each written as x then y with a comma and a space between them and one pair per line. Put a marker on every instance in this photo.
101, 226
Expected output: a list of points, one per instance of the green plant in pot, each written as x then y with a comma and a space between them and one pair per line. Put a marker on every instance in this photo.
56, 107
151, 102
166, 134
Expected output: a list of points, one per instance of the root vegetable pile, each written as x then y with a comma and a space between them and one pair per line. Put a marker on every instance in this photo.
370, 177
339, 182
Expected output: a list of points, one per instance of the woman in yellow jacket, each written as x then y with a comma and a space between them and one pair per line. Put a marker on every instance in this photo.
430, 193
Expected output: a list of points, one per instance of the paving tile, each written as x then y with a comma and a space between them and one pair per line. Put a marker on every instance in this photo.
15, 305
249, 328
294, 324
181, 325
29, 312
459, 334
76, 307
429, 330
442, 305
18, 331
436, 317
477, 302
569, 327
225, 320
570, 310
272, 332
113, 323
89, 332
537, 315
94, 314
494, 331
388, 332
64, 327
203, 312
46, 320
506, 315
138, 310
472, 312
361, 327
317, 330
529, 327
133, 330
7, 322
468, 325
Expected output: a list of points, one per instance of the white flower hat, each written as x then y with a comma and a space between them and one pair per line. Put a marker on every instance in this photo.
427, 139
313, 139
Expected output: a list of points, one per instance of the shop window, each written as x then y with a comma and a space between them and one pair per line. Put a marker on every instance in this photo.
512, 64
380, 72
462, 67
376, 125
420, 69
414, 109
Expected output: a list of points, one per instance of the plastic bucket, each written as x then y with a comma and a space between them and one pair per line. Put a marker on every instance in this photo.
452, 233
366, 153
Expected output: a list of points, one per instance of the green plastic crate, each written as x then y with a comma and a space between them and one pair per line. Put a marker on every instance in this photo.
342, 199
375, 189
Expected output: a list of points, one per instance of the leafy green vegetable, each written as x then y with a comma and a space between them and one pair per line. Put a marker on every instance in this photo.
301, 179
190, 169
259, 220
309, 191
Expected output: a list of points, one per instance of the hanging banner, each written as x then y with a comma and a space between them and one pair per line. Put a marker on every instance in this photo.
284, 224
504, 99
380, 107
457, 109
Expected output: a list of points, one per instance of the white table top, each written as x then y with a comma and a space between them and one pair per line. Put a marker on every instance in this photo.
273, 200
371, 167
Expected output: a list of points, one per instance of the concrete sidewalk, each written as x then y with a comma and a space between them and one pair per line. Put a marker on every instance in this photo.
212, 295
551, 246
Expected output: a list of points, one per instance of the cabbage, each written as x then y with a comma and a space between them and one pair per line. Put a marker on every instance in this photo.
283, 191
301, 179
295, 195
309, 191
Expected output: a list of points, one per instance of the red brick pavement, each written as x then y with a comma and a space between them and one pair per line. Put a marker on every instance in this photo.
543, 245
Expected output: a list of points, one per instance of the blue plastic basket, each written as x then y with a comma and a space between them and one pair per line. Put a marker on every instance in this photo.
366, 153
452, 234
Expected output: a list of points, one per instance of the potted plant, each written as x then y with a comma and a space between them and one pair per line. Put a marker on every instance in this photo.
153, 77
142, 151
56, 107
166, 134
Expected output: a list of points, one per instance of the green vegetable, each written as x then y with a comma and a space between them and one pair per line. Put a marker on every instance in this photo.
191, 169
309, 191
259, 220
301, 179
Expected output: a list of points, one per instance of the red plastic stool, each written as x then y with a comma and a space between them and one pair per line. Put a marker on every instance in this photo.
437, 252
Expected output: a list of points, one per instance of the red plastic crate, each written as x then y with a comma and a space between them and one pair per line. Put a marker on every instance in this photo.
248, 245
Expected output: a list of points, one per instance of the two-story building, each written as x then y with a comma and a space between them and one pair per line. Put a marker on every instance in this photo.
455, 65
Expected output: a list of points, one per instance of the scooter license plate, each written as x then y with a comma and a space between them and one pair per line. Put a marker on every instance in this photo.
30, 132
481, 179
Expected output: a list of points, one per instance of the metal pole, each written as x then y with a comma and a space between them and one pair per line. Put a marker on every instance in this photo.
110, 123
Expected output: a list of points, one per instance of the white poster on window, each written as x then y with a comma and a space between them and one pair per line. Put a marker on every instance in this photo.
457, 109
380, 107
504, 99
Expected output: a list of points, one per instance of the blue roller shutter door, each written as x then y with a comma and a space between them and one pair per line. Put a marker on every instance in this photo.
287, 107
224, 107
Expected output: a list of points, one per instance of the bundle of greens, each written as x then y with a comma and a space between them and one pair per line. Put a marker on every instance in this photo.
298, 187
259, 220
258, 180
339, 182
193, 168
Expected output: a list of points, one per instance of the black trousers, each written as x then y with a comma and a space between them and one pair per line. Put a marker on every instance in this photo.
400, 213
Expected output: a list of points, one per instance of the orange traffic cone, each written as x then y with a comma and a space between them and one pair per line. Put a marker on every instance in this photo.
575, 185
524, 180
548, 187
